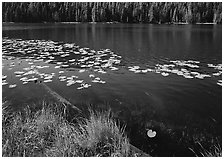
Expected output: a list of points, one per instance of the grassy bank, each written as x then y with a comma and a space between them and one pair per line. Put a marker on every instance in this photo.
47, 133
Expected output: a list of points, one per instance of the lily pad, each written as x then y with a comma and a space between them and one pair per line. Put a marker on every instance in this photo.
12, 85
151, 134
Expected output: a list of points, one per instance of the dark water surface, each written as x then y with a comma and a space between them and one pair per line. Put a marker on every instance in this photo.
162, 77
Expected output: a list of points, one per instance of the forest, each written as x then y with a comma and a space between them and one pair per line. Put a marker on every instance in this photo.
124, 12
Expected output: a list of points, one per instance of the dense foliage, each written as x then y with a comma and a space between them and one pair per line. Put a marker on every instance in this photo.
127, 12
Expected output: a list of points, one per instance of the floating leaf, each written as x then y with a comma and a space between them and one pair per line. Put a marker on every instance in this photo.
165, 74
91, 75
46, 81
83, 70
144, 71
12, 86
79, 81
4, 77
19, 72
151, 133
4, 83
61, 71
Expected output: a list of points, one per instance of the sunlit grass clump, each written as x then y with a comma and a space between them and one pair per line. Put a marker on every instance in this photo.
47, 133
215, 150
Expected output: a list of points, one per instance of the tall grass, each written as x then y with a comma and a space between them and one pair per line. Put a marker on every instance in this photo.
215, 150
47, 133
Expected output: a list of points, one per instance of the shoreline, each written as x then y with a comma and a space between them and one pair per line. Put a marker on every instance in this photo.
43, 134
173, 23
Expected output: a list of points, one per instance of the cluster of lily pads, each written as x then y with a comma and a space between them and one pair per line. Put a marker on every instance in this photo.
62, 57
189, 69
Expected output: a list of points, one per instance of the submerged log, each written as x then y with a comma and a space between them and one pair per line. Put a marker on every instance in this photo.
66, 103
138, 152
59, 98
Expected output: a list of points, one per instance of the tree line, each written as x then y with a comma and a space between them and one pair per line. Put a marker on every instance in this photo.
126, 12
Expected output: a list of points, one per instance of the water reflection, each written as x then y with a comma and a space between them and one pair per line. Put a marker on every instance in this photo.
133, 41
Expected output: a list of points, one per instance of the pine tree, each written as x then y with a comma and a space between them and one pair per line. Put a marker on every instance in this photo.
127, 12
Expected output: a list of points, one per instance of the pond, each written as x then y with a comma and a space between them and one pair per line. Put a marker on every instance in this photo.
162, 77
